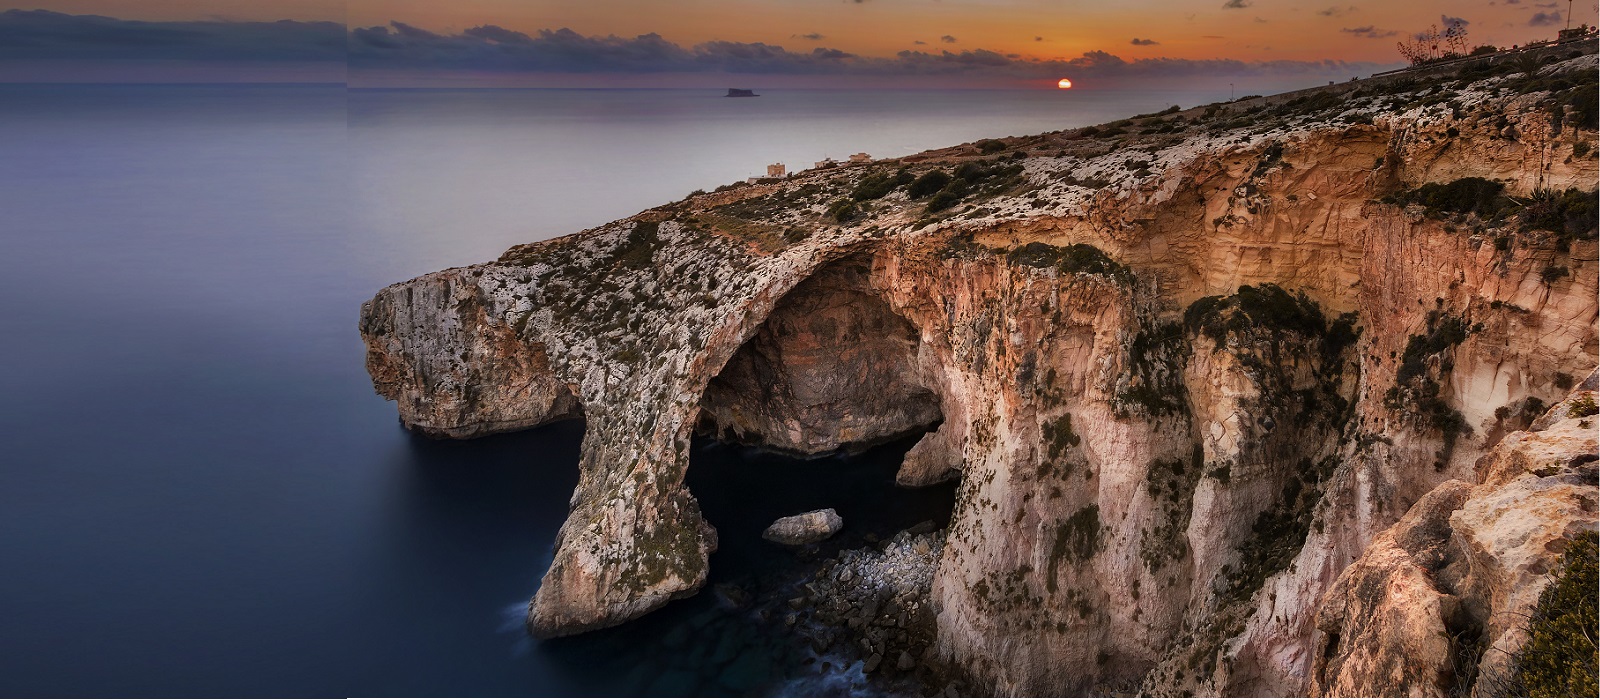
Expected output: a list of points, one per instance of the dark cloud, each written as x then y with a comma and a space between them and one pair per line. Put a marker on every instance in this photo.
1449, 21
1544, 19
1038, 38
947, 39
919, 42
487, 32
562, 50
1144, 42
565, 51
1236, 4
41, 34
944, 62
812, 37
400, 49
1369, 32
1336, 11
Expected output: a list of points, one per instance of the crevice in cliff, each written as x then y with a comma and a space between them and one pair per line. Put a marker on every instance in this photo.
832, 369
1269, 370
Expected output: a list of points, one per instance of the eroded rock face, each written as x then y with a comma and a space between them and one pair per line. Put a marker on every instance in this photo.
1438, 602
832, 367
471, 375
1183, 391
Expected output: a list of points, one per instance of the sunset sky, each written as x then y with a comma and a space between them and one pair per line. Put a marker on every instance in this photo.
999, 39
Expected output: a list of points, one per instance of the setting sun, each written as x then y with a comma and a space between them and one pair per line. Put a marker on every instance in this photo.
1064, 84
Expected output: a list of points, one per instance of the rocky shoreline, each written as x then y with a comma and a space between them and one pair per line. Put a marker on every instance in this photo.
863, 616
873, 606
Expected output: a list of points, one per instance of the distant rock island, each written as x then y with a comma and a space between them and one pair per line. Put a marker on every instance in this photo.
736, 92
1282, 396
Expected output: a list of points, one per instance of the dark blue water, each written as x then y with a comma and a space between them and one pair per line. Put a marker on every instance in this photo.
200, 495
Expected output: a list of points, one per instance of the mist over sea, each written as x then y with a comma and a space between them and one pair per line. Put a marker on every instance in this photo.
202, 496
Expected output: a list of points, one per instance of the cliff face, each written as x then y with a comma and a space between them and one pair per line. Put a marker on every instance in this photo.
1454, 581
1186, 378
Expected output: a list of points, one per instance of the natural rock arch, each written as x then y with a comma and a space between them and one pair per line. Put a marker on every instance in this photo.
831, 368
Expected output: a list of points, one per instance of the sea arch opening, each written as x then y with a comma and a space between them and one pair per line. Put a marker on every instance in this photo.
816, 409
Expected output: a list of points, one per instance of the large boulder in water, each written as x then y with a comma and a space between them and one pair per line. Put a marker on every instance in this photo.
805, 528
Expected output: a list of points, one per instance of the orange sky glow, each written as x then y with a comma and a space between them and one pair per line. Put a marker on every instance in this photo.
1357, 31
1260, 30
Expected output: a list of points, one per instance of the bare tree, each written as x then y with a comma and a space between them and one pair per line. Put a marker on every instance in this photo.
1434, 45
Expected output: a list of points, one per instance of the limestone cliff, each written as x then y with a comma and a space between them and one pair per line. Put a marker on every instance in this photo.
1437, 604
1186, 367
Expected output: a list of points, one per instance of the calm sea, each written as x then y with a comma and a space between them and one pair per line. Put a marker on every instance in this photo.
199, 493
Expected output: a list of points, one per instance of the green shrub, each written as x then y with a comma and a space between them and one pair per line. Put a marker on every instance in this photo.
988, 146
843, 210
1581, 107
1418, 394
1077, 539
637, 251
1154, 367
1279, 532
1571, 214
1444, 332
1078, 258
974, 174
943, 200
1582, 407
1469, 195
1058, 435
1560, 658
928, 184
1267, 306
879, 185
1552, 273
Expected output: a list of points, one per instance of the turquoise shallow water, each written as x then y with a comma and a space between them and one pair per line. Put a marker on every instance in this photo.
201, 495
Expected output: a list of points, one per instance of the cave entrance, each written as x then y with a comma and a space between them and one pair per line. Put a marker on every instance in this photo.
741, 490
832, 368
816, 410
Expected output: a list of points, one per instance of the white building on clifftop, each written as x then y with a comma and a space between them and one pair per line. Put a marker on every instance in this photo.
775, 172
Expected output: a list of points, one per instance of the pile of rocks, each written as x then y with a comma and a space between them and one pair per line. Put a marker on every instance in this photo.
873, 604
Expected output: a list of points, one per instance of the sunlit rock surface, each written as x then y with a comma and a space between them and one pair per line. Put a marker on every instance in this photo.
1438, 602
